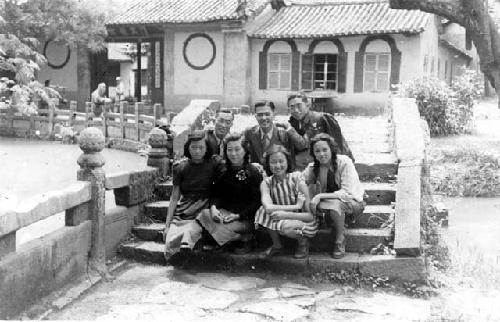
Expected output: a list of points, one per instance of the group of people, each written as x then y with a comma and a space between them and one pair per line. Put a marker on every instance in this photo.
272, 177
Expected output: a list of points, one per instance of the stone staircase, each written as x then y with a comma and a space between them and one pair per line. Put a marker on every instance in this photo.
377, 167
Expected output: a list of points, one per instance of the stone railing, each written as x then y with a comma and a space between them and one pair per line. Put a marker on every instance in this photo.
410, 148
116, 122
90, 235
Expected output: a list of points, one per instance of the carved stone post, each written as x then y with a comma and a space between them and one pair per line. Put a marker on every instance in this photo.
91, 142
158, 156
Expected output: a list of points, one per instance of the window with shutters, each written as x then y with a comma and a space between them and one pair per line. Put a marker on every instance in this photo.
279, 71
325, 71
320, 71
377, 72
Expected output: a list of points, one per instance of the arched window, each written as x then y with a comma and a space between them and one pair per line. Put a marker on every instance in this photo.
324, 65
279, 65
377, 67
377, 64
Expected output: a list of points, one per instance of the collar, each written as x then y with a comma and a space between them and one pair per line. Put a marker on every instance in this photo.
307, 118
269, 134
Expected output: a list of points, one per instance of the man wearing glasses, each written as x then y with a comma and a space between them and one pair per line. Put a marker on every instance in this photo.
223, 123
308, 123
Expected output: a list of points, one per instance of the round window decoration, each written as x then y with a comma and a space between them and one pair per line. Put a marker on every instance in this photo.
199, 51
57, 55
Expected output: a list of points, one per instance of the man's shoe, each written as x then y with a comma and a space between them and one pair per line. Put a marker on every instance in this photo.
338, 250
302, 248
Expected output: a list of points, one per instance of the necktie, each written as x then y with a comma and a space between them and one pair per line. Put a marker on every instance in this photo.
265, 143
221, 148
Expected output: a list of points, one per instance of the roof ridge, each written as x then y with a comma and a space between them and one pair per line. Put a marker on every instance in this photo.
333, 2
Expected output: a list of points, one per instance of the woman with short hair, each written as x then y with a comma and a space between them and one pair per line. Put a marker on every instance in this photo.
235, 198
192, 179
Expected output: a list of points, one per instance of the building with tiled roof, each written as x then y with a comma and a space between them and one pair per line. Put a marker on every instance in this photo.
304, 20
240, 51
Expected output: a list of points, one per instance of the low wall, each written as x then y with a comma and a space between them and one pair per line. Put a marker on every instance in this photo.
410, 148
40, 266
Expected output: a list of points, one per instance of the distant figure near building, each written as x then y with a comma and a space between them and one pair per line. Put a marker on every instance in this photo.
120, 90
98, 97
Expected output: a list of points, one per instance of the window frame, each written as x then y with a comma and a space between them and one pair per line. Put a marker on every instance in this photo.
279, 71
376, 71
325, 80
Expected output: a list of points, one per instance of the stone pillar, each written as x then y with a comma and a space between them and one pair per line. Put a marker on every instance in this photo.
91, 142
158, 155
237, 82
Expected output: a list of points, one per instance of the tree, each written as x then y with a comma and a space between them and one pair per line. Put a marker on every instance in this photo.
24, 23
480, 28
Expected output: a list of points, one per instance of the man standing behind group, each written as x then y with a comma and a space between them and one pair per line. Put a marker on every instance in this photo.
266, 134
223, 123
308, 123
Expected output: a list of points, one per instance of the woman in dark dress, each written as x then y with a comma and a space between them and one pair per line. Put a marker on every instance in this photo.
235, 198
192, 181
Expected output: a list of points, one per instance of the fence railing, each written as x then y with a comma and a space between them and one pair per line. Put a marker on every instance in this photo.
91, 234
116, 121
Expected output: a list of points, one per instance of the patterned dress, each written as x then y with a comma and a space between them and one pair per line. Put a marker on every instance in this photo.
282, 192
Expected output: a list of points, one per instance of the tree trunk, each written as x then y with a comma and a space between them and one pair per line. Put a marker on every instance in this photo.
474, 17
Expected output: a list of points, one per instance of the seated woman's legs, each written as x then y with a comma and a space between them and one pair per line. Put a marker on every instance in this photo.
337, 213
191, 235
298, 229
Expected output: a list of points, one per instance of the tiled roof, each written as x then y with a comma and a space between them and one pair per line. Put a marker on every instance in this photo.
455, 48
329, 18
185, 11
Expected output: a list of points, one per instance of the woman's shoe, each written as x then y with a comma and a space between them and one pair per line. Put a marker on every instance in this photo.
272, 251
243, 247
338, 250
302, 248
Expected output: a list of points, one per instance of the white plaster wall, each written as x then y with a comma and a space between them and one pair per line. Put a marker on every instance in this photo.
189, 81
66, 76
429, 46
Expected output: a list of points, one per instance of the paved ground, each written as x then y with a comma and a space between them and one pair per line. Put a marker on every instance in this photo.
163, 293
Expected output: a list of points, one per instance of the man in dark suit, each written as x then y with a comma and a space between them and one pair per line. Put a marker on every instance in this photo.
266, 134
215, 138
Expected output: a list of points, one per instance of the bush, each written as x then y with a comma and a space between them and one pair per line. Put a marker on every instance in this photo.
447, 110
467, 173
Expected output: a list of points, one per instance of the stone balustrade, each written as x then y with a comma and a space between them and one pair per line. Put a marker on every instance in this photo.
90, 236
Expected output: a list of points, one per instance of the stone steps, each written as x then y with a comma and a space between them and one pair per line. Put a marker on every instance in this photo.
157, 210
375, 194
398, 268
379, 193
360, 240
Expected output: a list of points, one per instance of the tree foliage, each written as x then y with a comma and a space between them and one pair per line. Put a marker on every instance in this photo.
480, 28
24, 24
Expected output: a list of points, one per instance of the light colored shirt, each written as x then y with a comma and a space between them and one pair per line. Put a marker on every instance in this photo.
346, 177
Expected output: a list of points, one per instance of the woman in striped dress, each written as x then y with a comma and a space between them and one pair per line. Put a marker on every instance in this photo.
285, 204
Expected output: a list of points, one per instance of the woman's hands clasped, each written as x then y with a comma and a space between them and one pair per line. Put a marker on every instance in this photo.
223, 217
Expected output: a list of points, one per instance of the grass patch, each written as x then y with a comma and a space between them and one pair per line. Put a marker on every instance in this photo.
465, 173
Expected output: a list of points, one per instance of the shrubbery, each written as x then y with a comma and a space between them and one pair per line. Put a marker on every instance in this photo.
466, 173
447, 110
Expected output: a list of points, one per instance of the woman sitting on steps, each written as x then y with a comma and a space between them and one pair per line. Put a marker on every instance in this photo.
285, 204
333, 179
192, 181
235, 199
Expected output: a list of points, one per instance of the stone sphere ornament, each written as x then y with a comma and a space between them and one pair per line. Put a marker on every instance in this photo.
91, 142
158, 138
